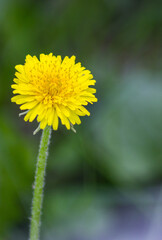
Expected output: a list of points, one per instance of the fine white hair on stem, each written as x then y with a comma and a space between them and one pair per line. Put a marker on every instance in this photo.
39, 184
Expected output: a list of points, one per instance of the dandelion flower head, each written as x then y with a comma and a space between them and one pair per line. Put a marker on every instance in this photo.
50, 89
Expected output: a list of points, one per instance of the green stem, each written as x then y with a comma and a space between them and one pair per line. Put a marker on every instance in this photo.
39, 184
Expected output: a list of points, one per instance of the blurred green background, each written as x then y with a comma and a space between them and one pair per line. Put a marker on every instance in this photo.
103, 182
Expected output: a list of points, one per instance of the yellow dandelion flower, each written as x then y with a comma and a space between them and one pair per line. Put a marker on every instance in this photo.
51, 89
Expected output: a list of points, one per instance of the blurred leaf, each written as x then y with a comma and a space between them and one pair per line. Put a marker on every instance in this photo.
129, 130
16, 169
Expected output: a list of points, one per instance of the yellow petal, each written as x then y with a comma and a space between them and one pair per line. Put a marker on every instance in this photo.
74, 118
42, 114
64, 110
28, 105
20, 99
50, 115
84, 110
43, 123
55, 121
19, 68
34, 112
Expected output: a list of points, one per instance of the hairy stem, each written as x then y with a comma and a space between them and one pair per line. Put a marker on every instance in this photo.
39, 184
